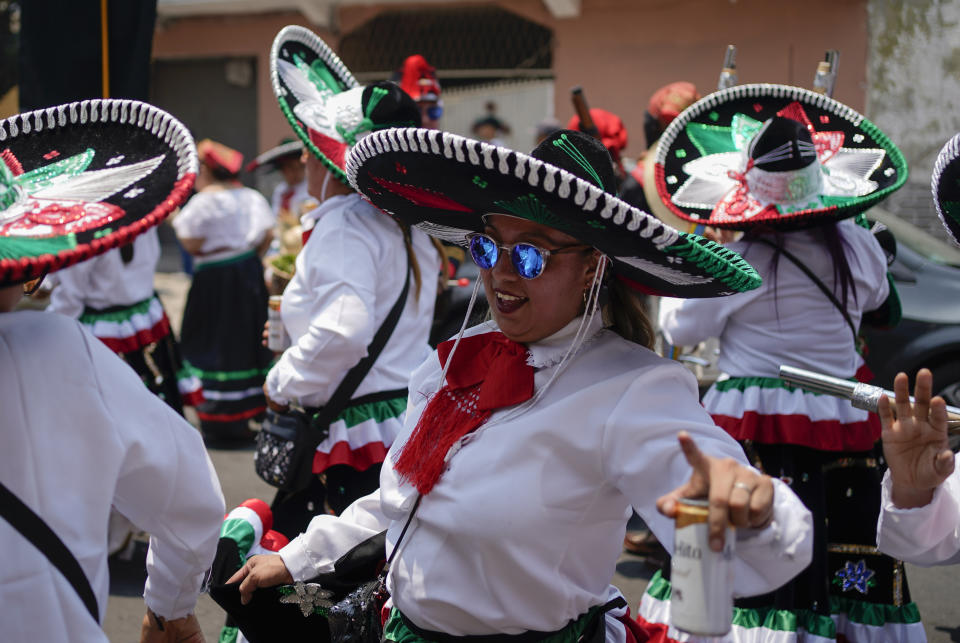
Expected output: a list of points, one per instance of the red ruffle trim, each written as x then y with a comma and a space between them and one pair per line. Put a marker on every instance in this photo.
193, 398
361, 458
231, 417
142, 338
825, 435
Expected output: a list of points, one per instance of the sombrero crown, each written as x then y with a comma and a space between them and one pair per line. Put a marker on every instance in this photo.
773, 155
445, 183
945, 185
79, 179
323, 102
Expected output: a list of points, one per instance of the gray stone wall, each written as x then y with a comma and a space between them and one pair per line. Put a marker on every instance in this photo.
913, 90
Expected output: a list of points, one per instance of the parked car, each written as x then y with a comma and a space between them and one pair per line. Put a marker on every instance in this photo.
927, 274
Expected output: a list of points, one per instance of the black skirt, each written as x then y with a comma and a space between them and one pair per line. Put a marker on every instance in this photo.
221, 339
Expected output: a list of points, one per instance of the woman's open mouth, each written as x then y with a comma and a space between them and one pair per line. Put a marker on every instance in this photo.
507, 303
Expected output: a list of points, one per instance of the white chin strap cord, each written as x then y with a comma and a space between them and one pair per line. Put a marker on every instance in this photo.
323, 187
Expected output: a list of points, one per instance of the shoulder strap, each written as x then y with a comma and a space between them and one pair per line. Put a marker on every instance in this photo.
823, 288
351, 381
33, 528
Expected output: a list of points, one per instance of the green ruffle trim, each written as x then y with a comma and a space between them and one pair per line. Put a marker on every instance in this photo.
861, 612
19, 247
722, 263
377, 411
769, 618
743, 383
139, 308
228, 376
397, 631
876, 614
224, 262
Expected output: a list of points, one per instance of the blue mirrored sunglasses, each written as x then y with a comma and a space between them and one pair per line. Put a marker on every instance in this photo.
528, 260
434, 112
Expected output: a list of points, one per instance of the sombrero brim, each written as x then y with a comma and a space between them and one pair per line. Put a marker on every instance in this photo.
945, 185
79, 179
445, 183
701, 154
287, 150
296, 52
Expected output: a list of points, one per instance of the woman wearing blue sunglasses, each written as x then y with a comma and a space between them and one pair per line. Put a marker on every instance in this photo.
554, 417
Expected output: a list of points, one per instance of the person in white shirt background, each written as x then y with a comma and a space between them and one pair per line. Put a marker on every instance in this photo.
554, 417
791, 169
226, 227
82, 435
347, 278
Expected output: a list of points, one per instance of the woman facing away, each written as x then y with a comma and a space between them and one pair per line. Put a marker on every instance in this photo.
791, 169
554, 417
113, 296
348, 277
226, 227
355, 267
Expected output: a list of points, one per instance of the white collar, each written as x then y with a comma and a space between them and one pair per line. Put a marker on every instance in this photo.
550, 350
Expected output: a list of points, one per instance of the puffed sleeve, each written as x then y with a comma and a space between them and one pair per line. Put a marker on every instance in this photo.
327, 538
191, 222
72, 284
642, 458
928, 535
339, 271
166, 485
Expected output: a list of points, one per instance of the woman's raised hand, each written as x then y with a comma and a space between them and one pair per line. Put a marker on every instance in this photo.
262, 570
915, 444
738, 495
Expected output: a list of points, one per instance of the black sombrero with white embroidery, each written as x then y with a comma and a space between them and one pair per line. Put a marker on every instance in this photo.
79, 179
946, 187
773, 155
323, 102
445, 183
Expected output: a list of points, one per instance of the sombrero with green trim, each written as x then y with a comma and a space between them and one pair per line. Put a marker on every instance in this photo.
79, 179
325, 105
773, 155
445, 183
946, 187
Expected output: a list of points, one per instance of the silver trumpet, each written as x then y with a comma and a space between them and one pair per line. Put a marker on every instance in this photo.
861, 396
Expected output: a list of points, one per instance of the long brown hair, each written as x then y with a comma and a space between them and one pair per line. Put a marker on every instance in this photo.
625, 313
417, 277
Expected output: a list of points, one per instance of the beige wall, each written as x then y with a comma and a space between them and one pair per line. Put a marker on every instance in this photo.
620, 51
219, 36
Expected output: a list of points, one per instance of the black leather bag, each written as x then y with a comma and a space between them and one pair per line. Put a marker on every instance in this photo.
284, 449
286, 441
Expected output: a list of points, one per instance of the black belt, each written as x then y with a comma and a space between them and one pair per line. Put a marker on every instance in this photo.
382, 396
592, 632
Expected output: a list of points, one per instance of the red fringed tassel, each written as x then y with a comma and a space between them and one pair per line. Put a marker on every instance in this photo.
449, 415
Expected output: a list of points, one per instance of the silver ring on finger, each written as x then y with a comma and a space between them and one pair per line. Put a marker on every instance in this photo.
744, 486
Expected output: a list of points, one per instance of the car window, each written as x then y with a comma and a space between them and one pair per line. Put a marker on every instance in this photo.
938, 250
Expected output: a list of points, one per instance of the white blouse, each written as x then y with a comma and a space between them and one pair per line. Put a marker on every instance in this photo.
348, 277
524, 529
105, 280
228, 220
787, 320
928, 535
104, 440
